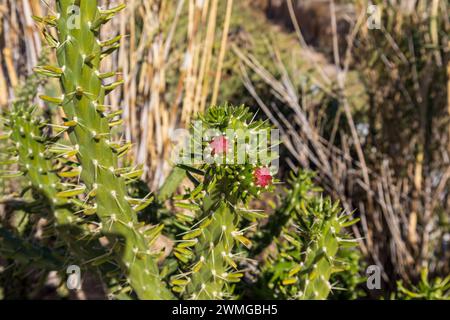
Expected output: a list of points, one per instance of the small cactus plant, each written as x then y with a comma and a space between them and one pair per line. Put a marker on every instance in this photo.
309, 235
427, 289
209, 247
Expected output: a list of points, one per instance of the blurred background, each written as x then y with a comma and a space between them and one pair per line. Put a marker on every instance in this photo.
360, 94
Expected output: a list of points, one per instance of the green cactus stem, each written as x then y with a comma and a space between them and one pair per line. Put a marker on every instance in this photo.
17, 249
176, 176
88, 123
44, 178
301, 190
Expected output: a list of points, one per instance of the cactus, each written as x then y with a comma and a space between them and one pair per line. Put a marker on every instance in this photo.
24, 252
9, 151
301, 190
352, 279
71, 230
29, 151
307, 229
29, 140
427, 289
88, 123
308, 245
212, 235
28, 264
26, 133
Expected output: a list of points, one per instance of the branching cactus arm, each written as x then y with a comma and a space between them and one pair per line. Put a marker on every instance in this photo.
300, 190
44, 177
214, 268
30, 152
26, 135
308, 245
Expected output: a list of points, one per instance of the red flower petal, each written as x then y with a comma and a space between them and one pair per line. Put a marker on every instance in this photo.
262, 176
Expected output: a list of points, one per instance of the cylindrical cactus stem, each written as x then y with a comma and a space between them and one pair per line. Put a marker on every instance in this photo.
300, 190
89, 122
213, 268
319, 261
26, 133
27, 136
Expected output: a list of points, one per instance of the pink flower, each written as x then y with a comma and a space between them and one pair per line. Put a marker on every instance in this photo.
219, 145
262, 176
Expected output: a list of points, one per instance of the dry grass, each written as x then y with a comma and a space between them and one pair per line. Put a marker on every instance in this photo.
397, 185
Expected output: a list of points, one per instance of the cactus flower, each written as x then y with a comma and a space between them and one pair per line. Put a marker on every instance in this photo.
262, 176
219, 145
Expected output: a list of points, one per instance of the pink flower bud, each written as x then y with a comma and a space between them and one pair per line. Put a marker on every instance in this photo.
262, 176
219, 145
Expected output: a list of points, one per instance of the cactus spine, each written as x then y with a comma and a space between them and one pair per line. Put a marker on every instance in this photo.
89, 122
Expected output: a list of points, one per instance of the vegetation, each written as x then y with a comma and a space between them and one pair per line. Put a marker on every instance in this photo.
97, 172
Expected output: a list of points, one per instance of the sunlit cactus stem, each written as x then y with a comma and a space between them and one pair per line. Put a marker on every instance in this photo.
37, 165
35, 162
88, 123
26, 134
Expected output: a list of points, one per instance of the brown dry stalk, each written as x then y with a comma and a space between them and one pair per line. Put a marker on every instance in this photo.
223, 46
448, 96
202, 87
